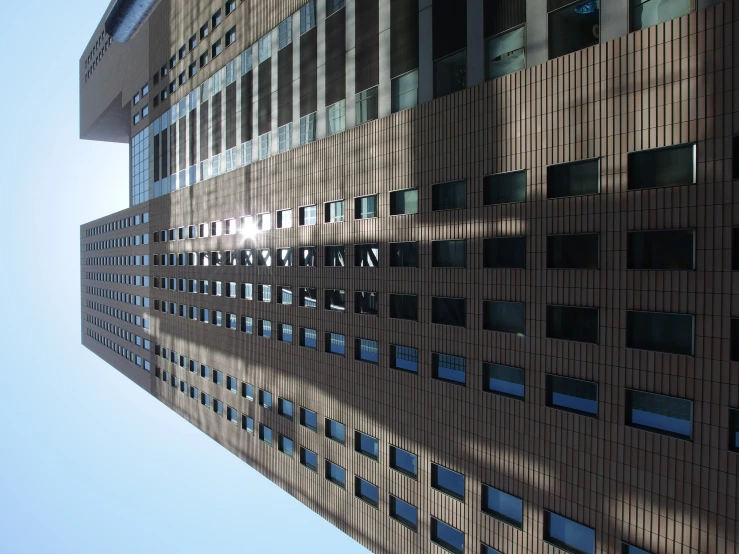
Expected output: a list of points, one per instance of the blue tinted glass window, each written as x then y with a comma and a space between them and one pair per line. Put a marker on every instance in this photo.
574, 395
285, 445
247, 424
502, 506
568, 534
335, 343
369, 446
286, 408
503, 379
448, 481
309, 338
449, 368
369, 351
404, 512
336, 474
335, 430
488, 550
447, 536
734, 430
405, 358
265, 399
367, 491
265, 433
309, 418
404, 461
659, 413
309, 459
628, 549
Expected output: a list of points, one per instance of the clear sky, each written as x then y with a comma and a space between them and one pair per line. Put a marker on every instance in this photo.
89, 463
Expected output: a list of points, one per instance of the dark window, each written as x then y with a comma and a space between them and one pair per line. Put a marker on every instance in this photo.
735, 157
307, 256
404, 358
403, 254
734, 340
335, 431
216, 20
364, 444
448, 253
332, 6
573, 179
367, 255
568, 535
447, 481
734, 430
662, 167
366, 303
334, 211
335, 256
308, 298
404, 461
662, 250
247, 391
335, 300
573, 28
449, 368
506, 317
308, 458
581, 251
309, 419
572, 395
572, 323
660, 332
405, 513
447, 536
449, 196
450, 73
505, 252
659, 413
365, 207
203, 31
404, 202
504, 188
503, 379
404, 306
336, 474
367, 491
503, 506
449, 311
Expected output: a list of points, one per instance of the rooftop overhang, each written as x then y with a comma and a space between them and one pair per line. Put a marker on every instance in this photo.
126, 17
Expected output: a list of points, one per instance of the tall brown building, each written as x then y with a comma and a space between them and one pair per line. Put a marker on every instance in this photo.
456, 274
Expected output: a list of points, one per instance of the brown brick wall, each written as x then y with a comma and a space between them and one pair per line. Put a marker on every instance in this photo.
669, 84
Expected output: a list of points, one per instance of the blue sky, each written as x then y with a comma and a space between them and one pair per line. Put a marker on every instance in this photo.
88, 461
